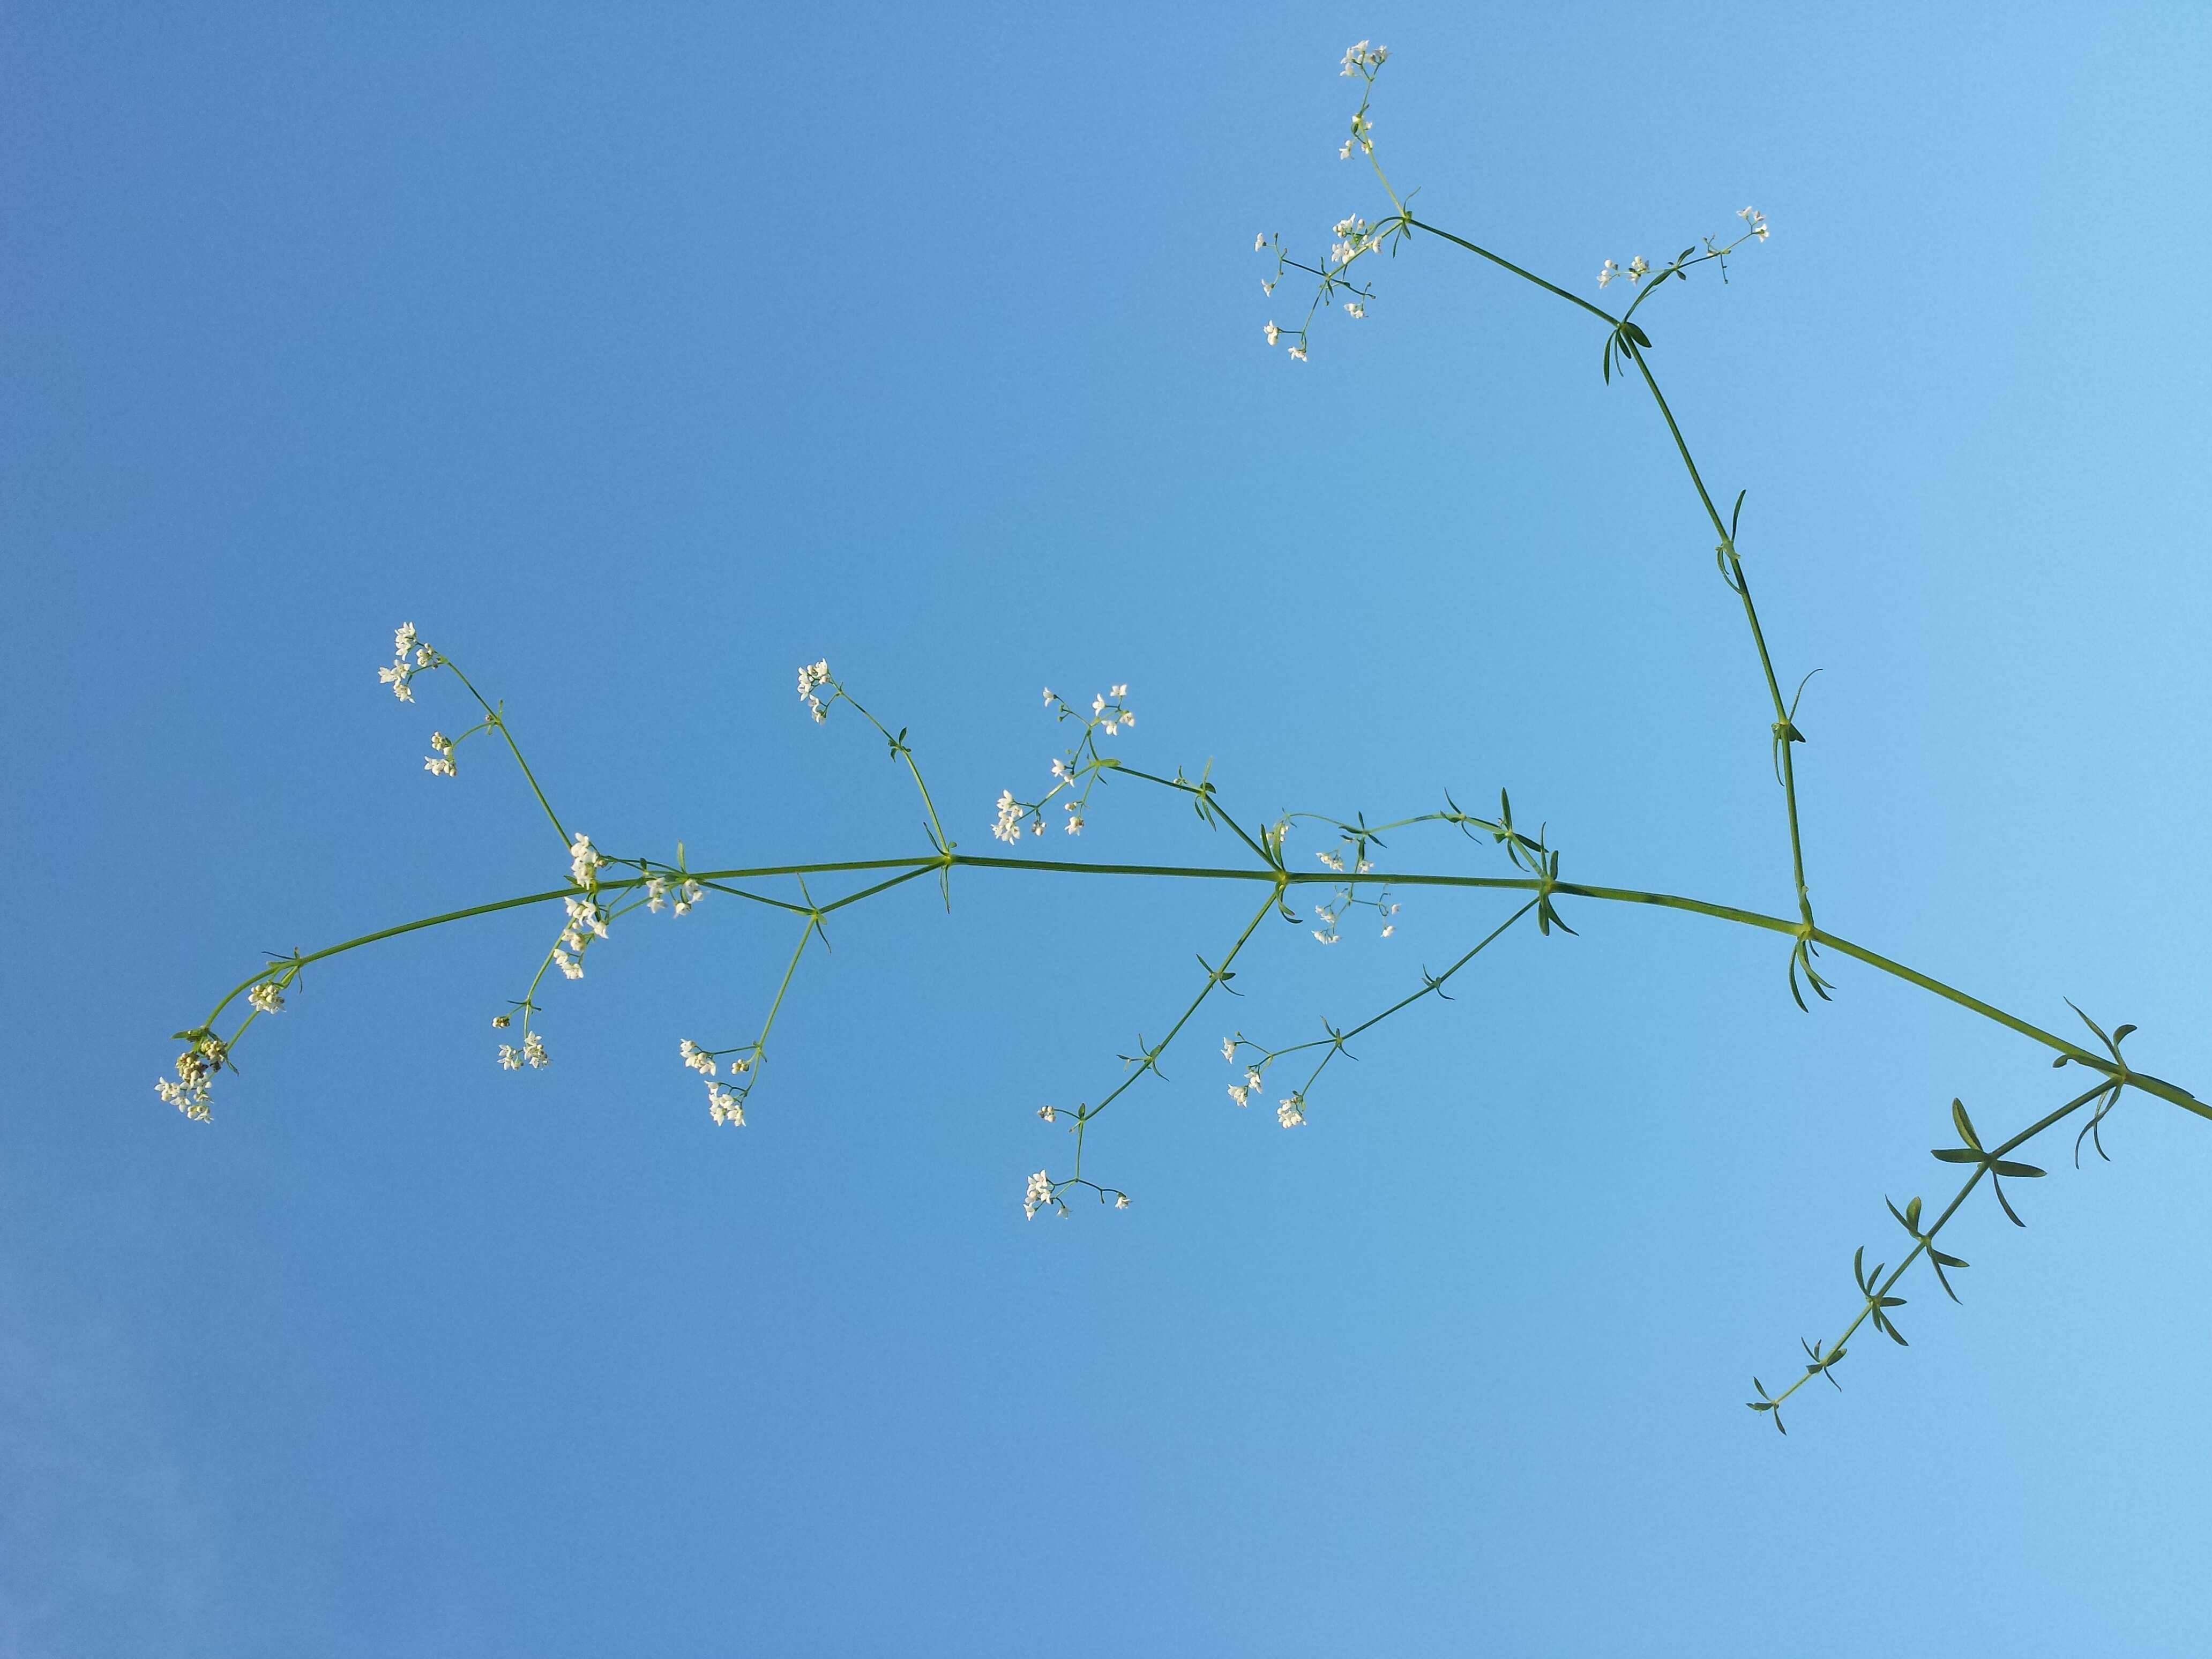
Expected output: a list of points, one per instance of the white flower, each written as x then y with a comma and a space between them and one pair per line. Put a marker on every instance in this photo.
1356, 310
584, 862
1334, 860
1009, 826
1118, 693
1752, 217
510, 1057
1608, 273
1074, 821
569, 966
439, 763
1291, 1111
1344, 151
409, 655
1251, 1077
533, 1050
501, 1022
1267, 287
656, 894
1260, 241
1120, 1200
1299, 353
265, 998
1273, 333
691, 891
695, 1058
1046, 1113
724, 1106
1228, 1047
1047, 696
1239, 1093
1638, 270
1038, 1194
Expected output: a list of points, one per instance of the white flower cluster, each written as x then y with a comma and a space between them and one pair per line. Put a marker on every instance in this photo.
1359, 58
192, 1093
1291, 1111
1351, 863
725, 1106
409, 656
813, 677
1038, 1195
532, 1053
1080, 765
588, 921
266, 998
1636, 271
657, 888
1753, 220
439, 763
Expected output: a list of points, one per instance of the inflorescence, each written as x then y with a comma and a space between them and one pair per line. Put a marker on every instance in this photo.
602, 888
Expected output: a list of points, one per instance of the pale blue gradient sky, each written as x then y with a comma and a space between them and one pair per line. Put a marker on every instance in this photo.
639, 354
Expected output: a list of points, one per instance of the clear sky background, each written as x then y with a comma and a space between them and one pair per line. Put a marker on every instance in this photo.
638, 354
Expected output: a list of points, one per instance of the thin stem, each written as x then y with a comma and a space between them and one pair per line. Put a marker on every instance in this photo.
497, 721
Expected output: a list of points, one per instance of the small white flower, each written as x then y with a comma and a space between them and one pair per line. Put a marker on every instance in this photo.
439, 763
1008, 828
1252, 1079
695, 1058
656, 894
1608, 273
1047, 1113
1075, 823
1120, 1200
1355, 309
1228, 1047
1260, 241
501, 1022
1638, 270
1299, 354
533, 1050
1267, 287
1038, 1194
265, 998
1273, 333
1047, 696
569, 966
510, 1057
691, 891
1239, 1093
1344, 151
1291, 1111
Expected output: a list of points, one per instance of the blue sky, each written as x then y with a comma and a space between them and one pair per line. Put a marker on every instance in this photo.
638, 354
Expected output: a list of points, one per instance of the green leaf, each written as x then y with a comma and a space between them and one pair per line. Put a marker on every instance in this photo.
1965, 1125
1955, 1155
2005, 1167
